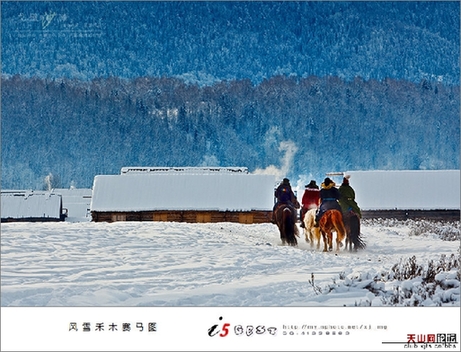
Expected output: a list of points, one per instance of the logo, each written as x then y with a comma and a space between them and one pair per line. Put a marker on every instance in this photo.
223, 329
214, 330
47, 19
424, 341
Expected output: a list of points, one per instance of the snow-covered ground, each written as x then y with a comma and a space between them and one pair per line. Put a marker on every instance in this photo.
226, 287
224, 264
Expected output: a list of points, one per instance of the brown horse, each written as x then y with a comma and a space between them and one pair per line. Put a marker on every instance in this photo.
311, 233
285, 216
331, 221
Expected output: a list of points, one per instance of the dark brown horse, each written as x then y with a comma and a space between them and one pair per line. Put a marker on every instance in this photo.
285, 217
352, 224
332, 220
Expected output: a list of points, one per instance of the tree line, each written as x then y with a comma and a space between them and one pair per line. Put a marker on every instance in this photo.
76, 129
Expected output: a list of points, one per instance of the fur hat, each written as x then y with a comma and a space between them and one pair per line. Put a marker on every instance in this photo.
327, 181
286, 181
312, 184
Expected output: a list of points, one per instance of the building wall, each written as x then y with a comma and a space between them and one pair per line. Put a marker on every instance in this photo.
254, 217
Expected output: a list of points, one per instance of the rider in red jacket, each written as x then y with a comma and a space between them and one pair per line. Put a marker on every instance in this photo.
311, 199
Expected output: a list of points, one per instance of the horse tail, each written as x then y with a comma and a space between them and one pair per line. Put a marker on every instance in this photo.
337, 219
289, 227
355, 232
359, 240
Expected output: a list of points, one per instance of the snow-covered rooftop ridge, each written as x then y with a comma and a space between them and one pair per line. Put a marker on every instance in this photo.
188, 170
26, 193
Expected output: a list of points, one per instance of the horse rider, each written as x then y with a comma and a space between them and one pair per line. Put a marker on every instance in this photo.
311, 199
284, 195
329, 197
347, 200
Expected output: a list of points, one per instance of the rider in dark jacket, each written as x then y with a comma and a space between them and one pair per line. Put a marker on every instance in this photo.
347, 200
329, 196
284, 195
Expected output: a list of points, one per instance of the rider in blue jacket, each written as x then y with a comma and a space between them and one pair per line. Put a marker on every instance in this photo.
329, 197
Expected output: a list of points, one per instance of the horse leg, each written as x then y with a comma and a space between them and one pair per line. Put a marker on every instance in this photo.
314, 232
279, 221
340, 235
308, 226
283, 232
306, 234
355, 232
316, 236
352, 241
325, 241
289, 227
348, 240
348, 226
295, 233
330, 241
326, 227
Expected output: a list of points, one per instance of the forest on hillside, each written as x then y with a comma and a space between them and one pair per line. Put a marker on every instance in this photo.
210, 41
75, 129
301, 87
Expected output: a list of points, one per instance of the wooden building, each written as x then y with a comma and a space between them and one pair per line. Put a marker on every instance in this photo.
183, 195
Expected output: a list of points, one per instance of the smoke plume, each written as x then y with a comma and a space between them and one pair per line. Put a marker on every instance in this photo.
289, 149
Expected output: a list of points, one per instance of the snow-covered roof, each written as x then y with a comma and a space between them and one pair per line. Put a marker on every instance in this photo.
220, 191
77, 202
405, 189
30, 204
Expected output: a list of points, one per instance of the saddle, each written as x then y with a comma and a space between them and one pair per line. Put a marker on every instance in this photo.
286, 204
